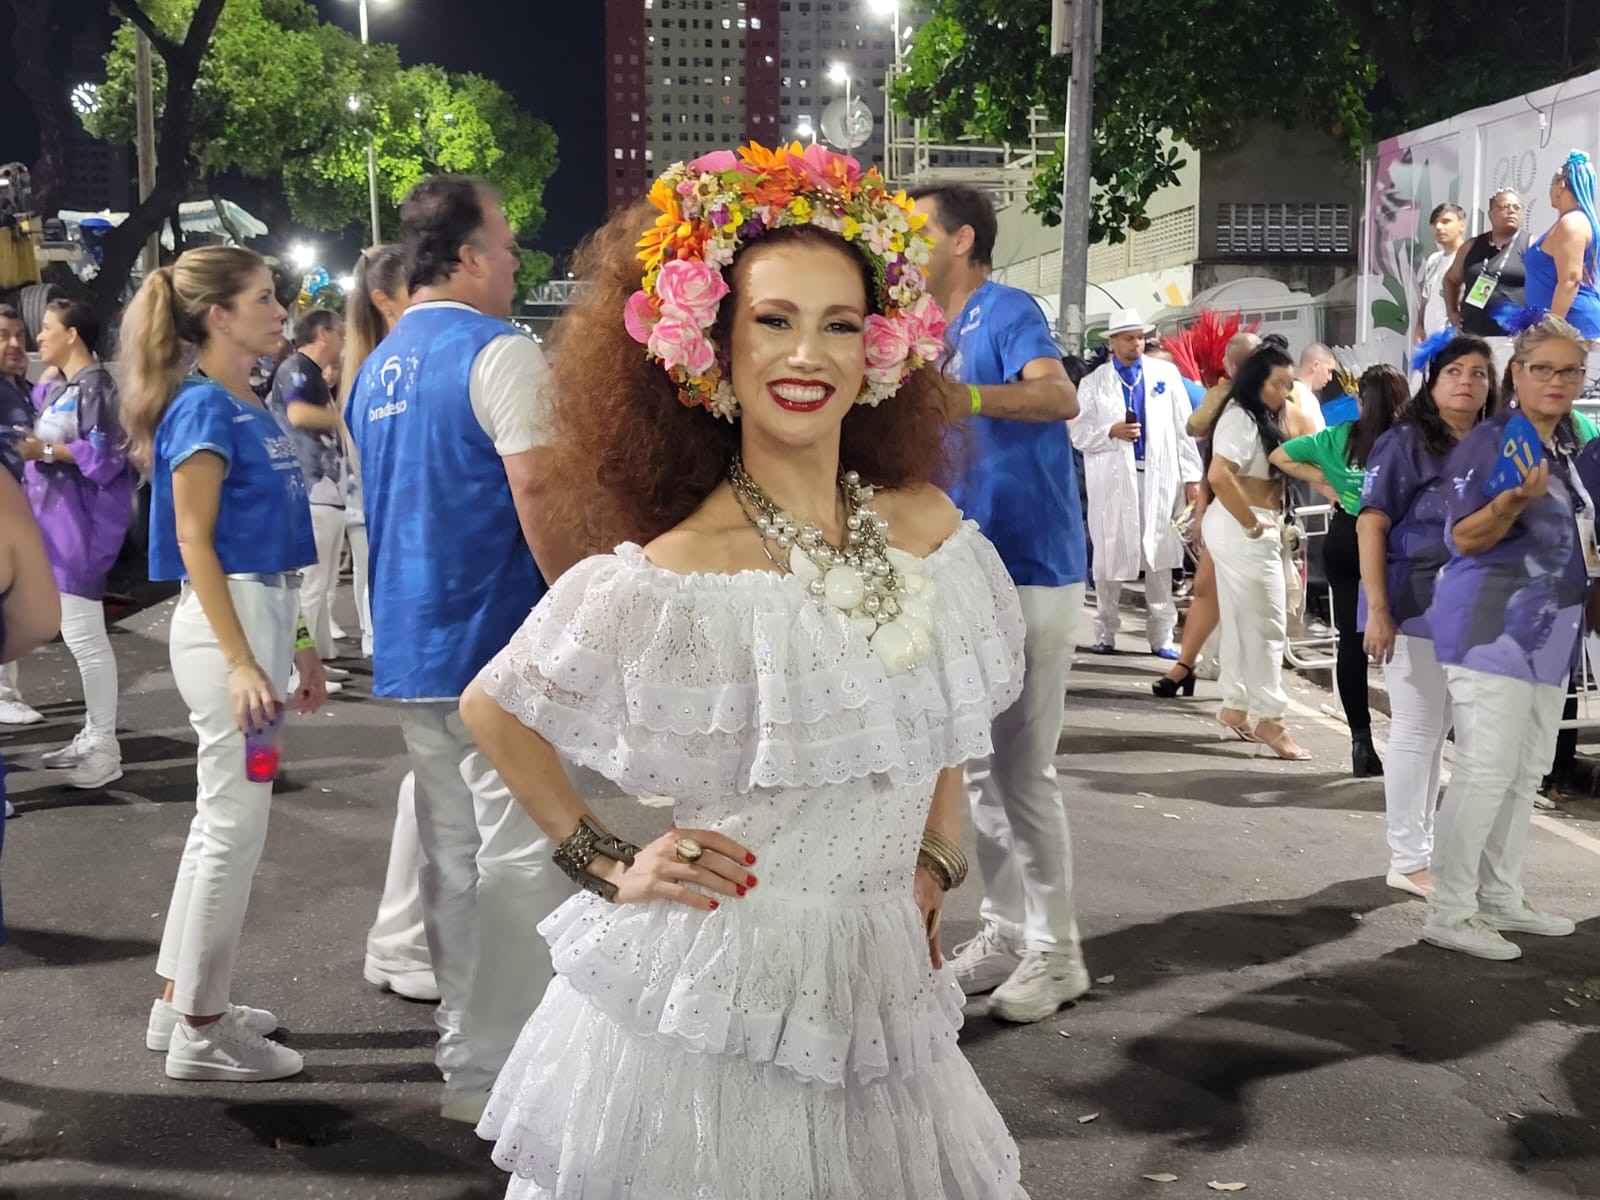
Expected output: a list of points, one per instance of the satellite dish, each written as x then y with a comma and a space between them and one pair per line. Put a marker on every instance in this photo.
844, 127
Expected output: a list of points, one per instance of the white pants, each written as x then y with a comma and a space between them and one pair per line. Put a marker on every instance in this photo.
201, 939
357, 532
321, 579
1250, 595
1161, 613
487, 880
1419, 722
1018, 812
83, 628
1505, 742
8, 682
397, 941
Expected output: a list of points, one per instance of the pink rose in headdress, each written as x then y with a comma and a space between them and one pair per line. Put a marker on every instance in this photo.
681, 343
824, 168
925, 324
888, 347
715, 162
638, 315
691, 290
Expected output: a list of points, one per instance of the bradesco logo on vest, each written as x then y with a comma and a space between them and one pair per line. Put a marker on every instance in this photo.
388, 375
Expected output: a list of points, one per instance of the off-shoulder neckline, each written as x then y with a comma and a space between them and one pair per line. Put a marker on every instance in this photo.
632, 554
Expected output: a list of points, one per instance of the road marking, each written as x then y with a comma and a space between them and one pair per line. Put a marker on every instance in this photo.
1561, 829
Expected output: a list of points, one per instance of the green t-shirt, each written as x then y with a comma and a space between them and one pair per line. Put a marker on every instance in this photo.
1585, 426
1326, 452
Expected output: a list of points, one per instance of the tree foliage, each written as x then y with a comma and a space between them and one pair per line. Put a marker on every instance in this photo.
286, 97
1204, 69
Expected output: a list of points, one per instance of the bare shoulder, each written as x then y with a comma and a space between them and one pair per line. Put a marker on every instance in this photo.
715, 539
921, 517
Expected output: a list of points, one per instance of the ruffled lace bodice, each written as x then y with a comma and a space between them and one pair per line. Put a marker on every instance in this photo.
769, 719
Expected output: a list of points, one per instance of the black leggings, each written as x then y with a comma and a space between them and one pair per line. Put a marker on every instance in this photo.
1341, 562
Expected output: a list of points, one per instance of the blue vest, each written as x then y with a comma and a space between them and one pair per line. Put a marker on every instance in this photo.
452, 577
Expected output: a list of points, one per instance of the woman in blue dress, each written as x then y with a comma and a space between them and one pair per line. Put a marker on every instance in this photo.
1562, 264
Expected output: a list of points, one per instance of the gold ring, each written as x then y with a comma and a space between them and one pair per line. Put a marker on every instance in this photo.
689, 850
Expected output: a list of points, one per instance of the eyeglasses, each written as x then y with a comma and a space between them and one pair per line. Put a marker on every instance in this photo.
1545, 372
1508, 208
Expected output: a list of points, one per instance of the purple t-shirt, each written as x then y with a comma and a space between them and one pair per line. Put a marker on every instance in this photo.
1514, 610
1406, 483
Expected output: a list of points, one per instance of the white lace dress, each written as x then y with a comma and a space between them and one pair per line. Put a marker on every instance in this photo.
795, 1044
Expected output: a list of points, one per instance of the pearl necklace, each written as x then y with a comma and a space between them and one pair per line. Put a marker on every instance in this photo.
878, 588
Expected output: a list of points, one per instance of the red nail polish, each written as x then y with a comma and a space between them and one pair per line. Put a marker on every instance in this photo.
738, 888
750, 859
713, 904
750, 880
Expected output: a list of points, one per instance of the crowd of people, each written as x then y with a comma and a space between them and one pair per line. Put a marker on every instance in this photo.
788, 529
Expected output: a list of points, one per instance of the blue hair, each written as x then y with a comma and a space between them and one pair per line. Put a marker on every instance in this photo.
1578, 174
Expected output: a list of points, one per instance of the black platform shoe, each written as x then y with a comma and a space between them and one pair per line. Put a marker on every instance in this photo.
1167, 687
1364, 760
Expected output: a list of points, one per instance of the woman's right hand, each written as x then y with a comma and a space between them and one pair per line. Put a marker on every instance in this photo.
1380, 634
656, 873
255, 701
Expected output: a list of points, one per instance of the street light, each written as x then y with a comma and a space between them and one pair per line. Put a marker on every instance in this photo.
806, 129
303, 255
839, 72
372, 150
890, 8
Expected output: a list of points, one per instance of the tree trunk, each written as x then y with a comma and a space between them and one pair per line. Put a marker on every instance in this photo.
123, 244
34, 51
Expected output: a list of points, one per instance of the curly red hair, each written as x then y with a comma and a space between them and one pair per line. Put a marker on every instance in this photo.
633, 462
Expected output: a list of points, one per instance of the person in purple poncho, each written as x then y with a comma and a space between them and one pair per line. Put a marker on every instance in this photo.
80, 487
1506, 615
1401, 534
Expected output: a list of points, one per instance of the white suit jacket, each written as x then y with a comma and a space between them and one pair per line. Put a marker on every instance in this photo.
1127, 534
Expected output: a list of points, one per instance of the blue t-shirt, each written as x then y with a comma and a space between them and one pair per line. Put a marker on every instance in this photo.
1197, 393
1020, 486
1515, 609
1407, 484
263, 518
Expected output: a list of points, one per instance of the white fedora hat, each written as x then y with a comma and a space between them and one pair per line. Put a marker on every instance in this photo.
1124, 319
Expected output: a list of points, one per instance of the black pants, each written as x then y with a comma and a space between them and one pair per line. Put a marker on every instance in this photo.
1341, 562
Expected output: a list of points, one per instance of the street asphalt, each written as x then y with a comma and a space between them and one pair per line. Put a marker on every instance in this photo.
1263, 1014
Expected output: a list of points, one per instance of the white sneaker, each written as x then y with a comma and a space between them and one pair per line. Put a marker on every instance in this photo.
1527, 919
11, 810
331, 672
336, 631
1474, 936
164, 1018
69, 755
1042, 984
15, 712
985, 962
101, 764
333, 687
466, 1107
228, 1050
417, 983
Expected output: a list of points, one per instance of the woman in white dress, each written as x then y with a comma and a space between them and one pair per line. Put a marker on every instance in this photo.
755, 1003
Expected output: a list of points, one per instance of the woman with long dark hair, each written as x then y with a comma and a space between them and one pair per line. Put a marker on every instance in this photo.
1400, 531
1244, 531
1506, 616
81, 488
1334, 462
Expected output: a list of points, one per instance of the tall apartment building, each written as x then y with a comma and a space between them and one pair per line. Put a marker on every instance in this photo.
687, 76
99, 174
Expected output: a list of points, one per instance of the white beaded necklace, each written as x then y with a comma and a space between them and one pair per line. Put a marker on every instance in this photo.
880, 589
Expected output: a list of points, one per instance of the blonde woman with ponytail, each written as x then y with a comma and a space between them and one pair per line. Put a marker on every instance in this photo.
230, 519
397, 958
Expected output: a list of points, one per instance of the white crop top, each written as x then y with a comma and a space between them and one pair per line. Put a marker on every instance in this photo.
1237, 439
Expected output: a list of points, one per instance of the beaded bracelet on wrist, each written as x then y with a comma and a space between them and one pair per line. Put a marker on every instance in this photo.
589, 841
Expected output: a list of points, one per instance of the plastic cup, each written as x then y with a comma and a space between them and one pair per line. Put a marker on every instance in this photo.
261, 749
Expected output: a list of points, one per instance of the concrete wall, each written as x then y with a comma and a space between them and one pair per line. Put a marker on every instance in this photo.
1278, 166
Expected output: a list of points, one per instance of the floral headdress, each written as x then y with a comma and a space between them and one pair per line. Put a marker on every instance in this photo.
713, 206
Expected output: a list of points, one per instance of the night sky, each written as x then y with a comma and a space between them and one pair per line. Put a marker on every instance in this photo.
547, 53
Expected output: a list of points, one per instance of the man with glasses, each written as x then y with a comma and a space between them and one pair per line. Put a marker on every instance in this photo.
1487, 273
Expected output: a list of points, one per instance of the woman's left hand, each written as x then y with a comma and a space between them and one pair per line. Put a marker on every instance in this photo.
930, 901
29, 449
312, 689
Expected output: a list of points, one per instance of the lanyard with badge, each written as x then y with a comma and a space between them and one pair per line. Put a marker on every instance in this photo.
1583, 513
1489, 276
